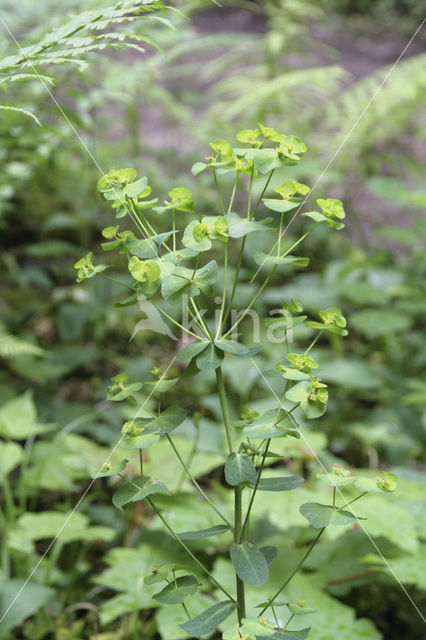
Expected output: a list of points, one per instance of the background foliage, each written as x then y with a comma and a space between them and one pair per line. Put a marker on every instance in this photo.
204, 71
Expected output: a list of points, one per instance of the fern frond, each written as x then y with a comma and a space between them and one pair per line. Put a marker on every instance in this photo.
393, 107
74, 40
11, 346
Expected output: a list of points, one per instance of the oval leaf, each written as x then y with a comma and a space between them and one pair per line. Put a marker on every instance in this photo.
177, 591
209, 620
279, 484
321, 515
249, 563
239, 468
204, 533
137, 490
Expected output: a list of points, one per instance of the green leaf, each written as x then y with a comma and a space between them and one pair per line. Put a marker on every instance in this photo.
249, 563
274, 423
110, 470
196, 236
265, 160
136, 188
209, 620
178, 590
262, 258
279, 484
30, 597
270, 552
198, 167
211, 358
217, 530
239, 469
143, 441
168, 420
239, 227
236, 349
321, 515
192, 349
280, 205
18, 419
11, 455
139, 489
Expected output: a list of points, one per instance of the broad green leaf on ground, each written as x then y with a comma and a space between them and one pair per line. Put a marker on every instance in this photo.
209, 620
378, 322
321, 515
204, 533
136, 490
62, 461
18, 419
177, 590
30, 597
67, 527
239, 469
11, 455
250, 563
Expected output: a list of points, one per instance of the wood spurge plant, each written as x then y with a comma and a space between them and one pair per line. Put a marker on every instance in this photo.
180, 266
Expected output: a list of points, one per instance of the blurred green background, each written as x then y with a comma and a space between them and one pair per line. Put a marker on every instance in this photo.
305, 67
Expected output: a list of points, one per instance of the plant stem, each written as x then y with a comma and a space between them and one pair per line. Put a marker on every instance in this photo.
245, 312
354, 500
225, 286
224, 407
314, 341
279, 234
259, 474
195, 483
241, 601
188, 551
218, 190
166, 315
241, 606
201, 321
174, 228
236, 276
288, 621
293, 573
262, 194
231, 202
116, 281
249, 193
